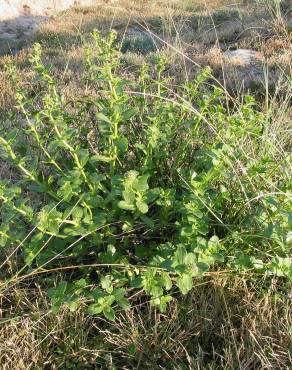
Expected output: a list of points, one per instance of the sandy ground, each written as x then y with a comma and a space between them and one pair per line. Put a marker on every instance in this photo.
15, 8
19, 18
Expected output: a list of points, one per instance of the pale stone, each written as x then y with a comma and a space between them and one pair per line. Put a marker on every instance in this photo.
15, 8
7, 36
19, 18
242, 57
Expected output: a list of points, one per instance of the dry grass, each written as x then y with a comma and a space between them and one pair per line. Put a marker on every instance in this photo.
225, 323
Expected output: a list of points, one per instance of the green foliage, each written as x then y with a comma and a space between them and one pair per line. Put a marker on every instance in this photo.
137, 186
140, 43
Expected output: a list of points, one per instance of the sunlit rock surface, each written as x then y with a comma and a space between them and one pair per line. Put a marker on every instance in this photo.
243, 57
20, 18
15, 8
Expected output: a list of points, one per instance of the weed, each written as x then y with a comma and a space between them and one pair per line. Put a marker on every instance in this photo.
139, 186
145, 214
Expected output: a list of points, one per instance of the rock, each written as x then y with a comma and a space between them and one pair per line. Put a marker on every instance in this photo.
242, 57
19, 18
243, 69
15, 8
8, 36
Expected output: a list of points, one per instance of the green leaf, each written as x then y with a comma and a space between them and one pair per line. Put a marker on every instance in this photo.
108, 300
185, 283
155, 290
203, 266
59, 291
131, 176
166, 280
106, 283
289, 237
128, 114
140, 184
83, 156
53, 227
56, 305
126, 206
94, 309
132, 350
77, 213
100, 158
142, 206
129, 196
119, 293
58, 295
149, 280
148, 221
122, 144
73, 304
102, 117
109, 313
137, 282
81, 283
111, 249
190, 259
180, 255
97, 294
243, 261
66, 191
214, 240
164, 300
124, 304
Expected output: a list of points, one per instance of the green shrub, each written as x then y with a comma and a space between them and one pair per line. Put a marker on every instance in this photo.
139, 187
225, 15
139, 44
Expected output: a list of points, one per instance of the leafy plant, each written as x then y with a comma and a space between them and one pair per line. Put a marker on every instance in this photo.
138, 186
